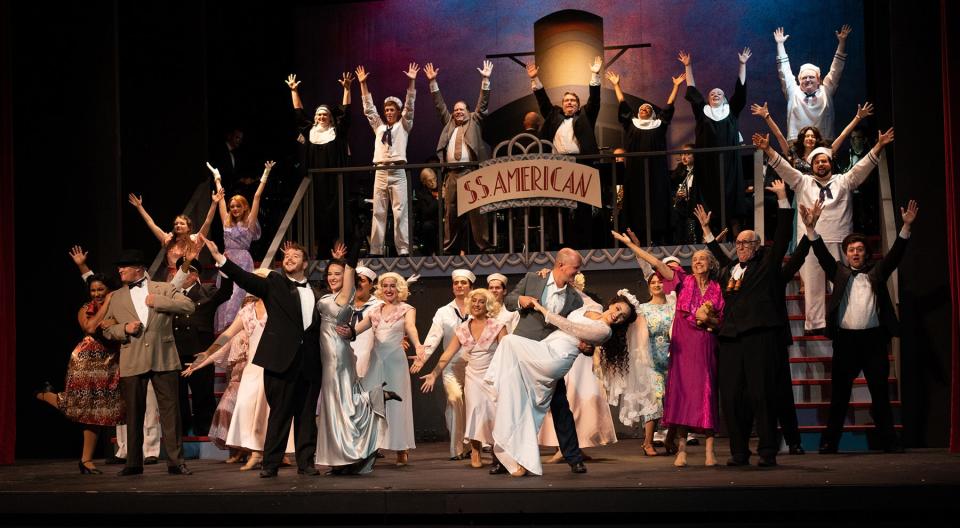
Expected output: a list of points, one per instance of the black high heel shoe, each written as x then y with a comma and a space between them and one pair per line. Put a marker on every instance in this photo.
84, 470
390, 395
45, 387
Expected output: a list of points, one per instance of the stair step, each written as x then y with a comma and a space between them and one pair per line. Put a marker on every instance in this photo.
822, 359
856, 381
846, 428
851, 405
798, 317
810, 338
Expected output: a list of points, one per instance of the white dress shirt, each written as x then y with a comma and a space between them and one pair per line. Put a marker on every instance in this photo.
858, 309
139, 297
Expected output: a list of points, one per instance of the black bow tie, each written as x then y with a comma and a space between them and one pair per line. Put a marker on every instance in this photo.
387, 138
138, 284
809, 96
303, 284
824, 191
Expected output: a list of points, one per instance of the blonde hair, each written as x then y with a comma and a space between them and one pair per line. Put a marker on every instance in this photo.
493, 307
403, 291
579, 281
243, 203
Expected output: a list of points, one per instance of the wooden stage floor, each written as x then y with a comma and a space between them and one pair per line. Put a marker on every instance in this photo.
620, 481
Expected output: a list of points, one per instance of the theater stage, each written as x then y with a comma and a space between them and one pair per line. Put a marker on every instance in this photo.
620, 482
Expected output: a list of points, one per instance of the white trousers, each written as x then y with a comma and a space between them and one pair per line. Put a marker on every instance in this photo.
814, 288
390, 190
151, 429
455, 414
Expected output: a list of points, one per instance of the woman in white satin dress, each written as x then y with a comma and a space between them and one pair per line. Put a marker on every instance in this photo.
524, 374
390, 321
350, 420
477, 340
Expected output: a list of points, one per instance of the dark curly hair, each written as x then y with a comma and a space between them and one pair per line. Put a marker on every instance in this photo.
615, 354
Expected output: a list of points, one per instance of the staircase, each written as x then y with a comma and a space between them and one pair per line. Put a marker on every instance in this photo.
811, 359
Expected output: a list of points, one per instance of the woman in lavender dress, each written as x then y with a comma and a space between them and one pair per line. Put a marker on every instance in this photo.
240, 229
690, 401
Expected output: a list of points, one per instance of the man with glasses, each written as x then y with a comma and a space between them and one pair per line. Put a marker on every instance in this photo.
751, 333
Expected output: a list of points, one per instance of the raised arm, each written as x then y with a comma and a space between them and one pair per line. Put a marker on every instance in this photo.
855, 176
346, 81
703, 216
215, 200
79, 257
832, 79
892, 259
862, 113
255, 206
677, 81
684, 58
614, 79
788, 83
543, 100
784, 232
369, 109
657, 264
809, 217
743, 56
592, 108
483, 100
763, 113
438, 103
254, 284
406, 116
786, 172
293, 83
224, 215
162, 236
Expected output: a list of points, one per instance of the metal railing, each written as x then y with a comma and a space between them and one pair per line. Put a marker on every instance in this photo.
301, 202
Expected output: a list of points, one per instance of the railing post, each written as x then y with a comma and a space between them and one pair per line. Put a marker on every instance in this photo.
758, 180
613, 194
723, 191
646, 199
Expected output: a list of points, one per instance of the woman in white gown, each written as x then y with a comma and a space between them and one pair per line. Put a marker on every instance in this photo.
476, 339
390, 321
350, 420
524, 374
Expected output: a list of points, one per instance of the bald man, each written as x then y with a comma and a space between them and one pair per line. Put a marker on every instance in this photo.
557, 293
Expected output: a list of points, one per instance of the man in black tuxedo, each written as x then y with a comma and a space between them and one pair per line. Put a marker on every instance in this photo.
289, 353
193, 333
860, 321
751, 334
557, 293
570, 128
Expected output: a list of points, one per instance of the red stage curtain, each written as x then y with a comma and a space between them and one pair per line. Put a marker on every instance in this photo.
951, 87
8, 326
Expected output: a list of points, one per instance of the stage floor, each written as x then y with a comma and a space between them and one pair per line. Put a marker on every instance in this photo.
620, 480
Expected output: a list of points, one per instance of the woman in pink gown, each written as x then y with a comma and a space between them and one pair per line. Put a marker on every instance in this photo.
690, 401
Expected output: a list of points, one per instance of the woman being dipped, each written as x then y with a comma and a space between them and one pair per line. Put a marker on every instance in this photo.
690, 400
477, 339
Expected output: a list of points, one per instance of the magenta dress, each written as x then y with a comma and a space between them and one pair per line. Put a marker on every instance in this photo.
691, 394
236, 242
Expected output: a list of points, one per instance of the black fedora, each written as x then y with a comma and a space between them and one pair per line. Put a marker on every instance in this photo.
131, 257
180, 264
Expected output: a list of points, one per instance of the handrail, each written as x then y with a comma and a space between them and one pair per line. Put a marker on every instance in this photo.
888, 234
606, 157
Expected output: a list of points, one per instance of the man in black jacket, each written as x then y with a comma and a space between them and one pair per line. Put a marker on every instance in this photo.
193, 333
289, 353
751, 334
860, 321
570, 128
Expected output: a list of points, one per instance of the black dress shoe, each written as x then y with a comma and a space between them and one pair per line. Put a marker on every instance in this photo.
498, 469
738, 461
113, 460
150, 460
130, 470
767, 461
797, 449
268, 473
179, 470
579, 467
310, 471
390, 395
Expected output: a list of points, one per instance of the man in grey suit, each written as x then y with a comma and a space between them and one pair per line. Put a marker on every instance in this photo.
143, 311
557, 294
461, 140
